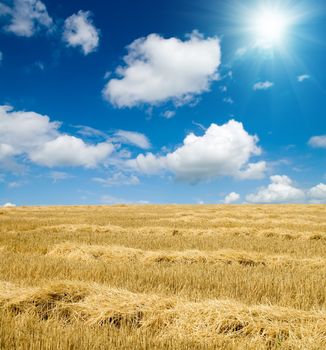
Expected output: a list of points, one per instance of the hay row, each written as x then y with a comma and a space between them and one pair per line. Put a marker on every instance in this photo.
203, 321
318, 232
84, 252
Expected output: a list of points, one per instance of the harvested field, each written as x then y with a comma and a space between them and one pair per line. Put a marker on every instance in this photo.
163, 277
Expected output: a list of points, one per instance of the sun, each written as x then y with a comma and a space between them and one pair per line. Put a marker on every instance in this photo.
270, 26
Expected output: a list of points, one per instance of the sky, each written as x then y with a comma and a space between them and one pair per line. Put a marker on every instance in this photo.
177, 101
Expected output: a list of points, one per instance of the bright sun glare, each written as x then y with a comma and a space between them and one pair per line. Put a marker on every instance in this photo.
270, 26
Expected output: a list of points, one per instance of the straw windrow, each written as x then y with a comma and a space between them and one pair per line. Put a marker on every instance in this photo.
108, 254
93, 304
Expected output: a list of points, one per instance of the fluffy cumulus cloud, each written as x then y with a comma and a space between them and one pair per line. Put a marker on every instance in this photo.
263, 85
26, 17
231, 198
318, 141
6, 151
158, 69
317, 194
66, 150
132, 138
22, 131
34, 136
253, 171
79, 31
223, 150
280, 190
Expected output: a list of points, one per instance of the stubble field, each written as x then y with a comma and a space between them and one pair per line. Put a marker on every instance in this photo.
163, 277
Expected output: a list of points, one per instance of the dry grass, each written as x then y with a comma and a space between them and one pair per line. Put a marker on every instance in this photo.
163, 277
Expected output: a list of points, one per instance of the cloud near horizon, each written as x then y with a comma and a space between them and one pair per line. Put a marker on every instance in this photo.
223, 150
317, 194
282, 190
231, 198
9, 205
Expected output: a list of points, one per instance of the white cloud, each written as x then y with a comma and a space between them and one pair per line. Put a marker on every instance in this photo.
318, 141
231, 198
9, 205
263, 85
222, 151
68, 150
79, 30
253, 171
6, 151
280, 190
118, 179
35, 136
24, 130
158, 69
317, 194
303, 77
147, 164
27, 17
132, 138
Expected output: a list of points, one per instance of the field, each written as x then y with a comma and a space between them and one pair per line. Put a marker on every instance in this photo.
163, 277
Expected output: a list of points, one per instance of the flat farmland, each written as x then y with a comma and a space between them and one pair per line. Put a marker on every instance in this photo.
163, 277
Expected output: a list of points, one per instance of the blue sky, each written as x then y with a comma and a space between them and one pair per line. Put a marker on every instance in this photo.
162, 102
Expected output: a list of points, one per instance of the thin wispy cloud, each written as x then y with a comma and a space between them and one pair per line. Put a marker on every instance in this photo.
303, 77
263, 85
